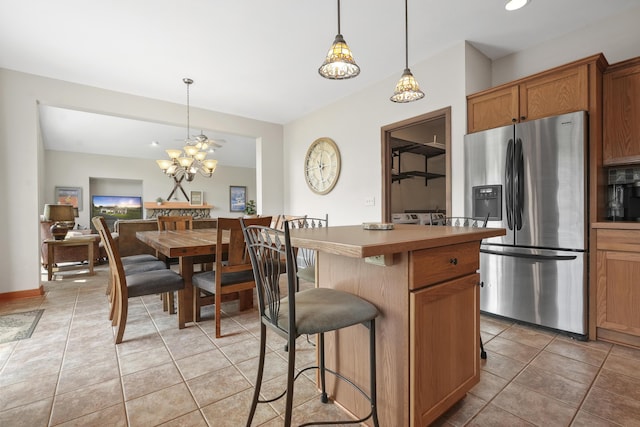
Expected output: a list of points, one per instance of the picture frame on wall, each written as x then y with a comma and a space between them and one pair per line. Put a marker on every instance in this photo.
69, 196
196, 199
237, 198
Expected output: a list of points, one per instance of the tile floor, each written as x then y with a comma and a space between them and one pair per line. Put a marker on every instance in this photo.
71, 374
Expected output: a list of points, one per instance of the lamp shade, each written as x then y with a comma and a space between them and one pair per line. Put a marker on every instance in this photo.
407, 89
58, 213
339, 63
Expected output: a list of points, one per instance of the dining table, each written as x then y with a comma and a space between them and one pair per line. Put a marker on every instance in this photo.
190, 247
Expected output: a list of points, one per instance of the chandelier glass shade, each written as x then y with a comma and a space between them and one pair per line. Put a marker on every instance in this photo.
339, 63
191, 160
407, 88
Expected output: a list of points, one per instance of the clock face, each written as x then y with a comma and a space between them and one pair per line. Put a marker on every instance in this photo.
322, 165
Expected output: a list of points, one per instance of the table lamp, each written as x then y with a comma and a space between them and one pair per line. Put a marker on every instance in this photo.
63, 219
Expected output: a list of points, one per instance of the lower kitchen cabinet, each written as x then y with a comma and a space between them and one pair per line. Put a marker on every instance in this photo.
618, 286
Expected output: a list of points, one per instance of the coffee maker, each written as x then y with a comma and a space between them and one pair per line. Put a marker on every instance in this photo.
624, 202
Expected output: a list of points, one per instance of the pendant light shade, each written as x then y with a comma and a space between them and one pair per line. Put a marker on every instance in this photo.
339, 63
515, 4
407, 88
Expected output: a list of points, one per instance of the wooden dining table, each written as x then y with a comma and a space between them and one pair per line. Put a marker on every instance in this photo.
190, 247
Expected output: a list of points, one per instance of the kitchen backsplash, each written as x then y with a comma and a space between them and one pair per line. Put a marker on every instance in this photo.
624, 175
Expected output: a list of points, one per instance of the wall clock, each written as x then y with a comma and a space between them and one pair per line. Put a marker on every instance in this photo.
322, 165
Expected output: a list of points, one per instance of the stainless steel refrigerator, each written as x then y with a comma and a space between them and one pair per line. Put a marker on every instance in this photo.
531, 179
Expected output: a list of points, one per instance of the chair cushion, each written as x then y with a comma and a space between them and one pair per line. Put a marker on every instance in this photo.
207, 279
133, 259
322, 310
154, 282
141, 267
307, 273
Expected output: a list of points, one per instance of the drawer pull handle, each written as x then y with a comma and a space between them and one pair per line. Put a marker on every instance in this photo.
454, 261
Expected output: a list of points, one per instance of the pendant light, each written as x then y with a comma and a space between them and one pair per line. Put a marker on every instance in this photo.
407, 89
339, 63
515, 4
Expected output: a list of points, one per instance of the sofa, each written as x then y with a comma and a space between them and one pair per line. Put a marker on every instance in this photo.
68, 253
128, 243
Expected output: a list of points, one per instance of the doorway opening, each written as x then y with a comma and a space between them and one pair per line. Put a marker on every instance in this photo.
416, 165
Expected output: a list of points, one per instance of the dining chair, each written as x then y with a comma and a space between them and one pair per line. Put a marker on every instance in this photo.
311, 311
172, 222
232, 271
134, 284
463, 221
308, 271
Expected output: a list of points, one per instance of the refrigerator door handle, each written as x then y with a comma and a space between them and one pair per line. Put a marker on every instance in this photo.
530, 256
519, 184
508, 179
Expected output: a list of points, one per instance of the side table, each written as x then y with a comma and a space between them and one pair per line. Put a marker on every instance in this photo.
52, 244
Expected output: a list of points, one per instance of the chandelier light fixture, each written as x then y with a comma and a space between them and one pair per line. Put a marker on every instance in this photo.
339, 63
515, 4
191, 160
407, 89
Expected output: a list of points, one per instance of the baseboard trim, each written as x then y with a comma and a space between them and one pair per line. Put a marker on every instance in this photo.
29, 293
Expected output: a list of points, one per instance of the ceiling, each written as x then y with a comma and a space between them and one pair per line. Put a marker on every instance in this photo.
257, 58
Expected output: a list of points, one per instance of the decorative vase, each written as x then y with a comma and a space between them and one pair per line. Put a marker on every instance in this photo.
59, 230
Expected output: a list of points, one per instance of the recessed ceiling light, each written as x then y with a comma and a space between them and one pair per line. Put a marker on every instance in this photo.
154, 143
515, 4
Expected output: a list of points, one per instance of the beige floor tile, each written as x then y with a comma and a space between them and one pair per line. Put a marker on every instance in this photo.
202, 364
243, 350
494, 325
146, 411
502, 366
211, 388
529, 336
463, 411
80, 376
31, 415
576, 351
613, 407
585, 419
566, 367
552, 385
622, 365
185, 348
192, 419
624, 351
489, 386
150, 380
274, 366
512, 349
84, 401
493, 416
28, 391
234, 411
141, 360
304, 390
618, 383
113, 416
533, 406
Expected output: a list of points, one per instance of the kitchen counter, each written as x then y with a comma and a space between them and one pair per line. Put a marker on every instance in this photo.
424, 281
617, 225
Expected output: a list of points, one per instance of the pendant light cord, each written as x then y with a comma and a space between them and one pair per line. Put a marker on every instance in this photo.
406, 35
339, 17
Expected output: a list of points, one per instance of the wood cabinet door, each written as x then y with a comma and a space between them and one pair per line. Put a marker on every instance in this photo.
560, 92
618, 290
492, 109
621, 94
444, 346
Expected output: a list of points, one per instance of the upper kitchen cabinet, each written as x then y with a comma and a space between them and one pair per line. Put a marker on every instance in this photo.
557, 91
621, 87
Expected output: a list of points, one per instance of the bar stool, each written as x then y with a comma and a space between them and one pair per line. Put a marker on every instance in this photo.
310, 311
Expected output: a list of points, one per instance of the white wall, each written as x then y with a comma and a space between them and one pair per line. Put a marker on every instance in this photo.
354, 124
76, 169
617, 37
23, 184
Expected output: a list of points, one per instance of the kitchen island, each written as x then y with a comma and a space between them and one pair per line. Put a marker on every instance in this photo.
424, 281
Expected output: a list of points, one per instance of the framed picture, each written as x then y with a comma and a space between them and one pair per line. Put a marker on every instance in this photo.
69, 196
196, 198
237, 198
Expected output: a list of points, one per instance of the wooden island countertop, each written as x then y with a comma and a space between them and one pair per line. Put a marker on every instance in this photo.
424, 281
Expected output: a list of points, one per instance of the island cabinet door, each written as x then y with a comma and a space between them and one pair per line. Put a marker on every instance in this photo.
444, 346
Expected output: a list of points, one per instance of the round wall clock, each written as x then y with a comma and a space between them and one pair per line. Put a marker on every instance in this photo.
322, 165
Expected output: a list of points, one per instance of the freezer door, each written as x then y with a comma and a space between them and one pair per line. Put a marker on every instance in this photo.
542, 287
550, 182
485, 160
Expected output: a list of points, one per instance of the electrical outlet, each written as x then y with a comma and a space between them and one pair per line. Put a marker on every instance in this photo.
370, 201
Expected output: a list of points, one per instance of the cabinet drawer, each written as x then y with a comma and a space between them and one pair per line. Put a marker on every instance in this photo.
435, 265
619, 240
